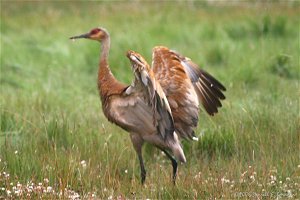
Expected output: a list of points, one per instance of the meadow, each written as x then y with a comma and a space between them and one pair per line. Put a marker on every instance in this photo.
56, 143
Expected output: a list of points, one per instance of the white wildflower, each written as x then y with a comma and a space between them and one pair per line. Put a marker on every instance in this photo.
74, 196
224, 180
17, 192
49, 189
273, 178
83, 163
29, 189
289, 193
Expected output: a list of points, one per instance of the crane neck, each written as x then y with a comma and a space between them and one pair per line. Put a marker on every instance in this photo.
107, 83
105, 47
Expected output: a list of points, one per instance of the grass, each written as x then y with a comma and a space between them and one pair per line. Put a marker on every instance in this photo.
56, 143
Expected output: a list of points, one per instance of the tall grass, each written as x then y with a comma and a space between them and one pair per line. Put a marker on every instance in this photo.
56, 143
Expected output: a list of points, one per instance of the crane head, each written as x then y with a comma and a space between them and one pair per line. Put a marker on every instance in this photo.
95, 34
137, 61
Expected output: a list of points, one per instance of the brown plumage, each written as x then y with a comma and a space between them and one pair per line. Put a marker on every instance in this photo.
162, 103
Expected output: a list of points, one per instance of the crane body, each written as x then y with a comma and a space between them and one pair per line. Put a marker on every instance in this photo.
161, 106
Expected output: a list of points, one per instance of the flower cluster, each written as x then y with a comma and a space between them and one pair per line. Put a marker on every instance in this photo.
13, 189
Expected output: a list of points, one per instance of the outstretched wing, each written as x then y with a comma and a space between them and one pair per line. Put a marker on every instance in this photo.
185, 85
143, 106
209, 89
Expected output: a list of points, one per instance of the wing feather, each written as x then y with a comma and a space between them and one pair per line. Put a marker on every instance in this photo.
132, 113
145, 85
185, 85
208, 88
179, 90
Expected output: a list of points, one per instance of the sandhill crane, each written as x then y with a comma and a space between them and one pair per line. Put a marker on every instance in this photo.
161, 106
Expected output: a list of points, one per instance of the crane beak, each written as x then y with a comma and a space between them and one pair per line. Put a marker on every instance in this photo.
86, 35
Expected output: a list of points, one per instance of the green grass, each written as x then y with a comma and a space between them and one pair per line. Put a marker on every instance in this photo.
53, 131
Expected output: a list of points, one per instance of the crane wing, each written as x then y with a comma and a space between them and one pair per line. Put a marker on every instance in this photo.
144, 103
209, 89
185, 85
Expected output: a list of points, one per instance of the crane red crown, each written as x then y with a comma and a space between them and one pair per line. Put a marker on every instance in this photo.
95, 30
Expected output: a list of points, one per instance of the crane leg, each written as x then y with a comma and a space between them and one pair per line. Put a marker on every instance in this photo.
137, 142
174, 164
143, 171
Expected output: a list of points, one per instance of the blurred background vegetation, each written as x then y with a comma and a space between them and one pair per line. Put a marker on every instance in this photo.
52, 126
